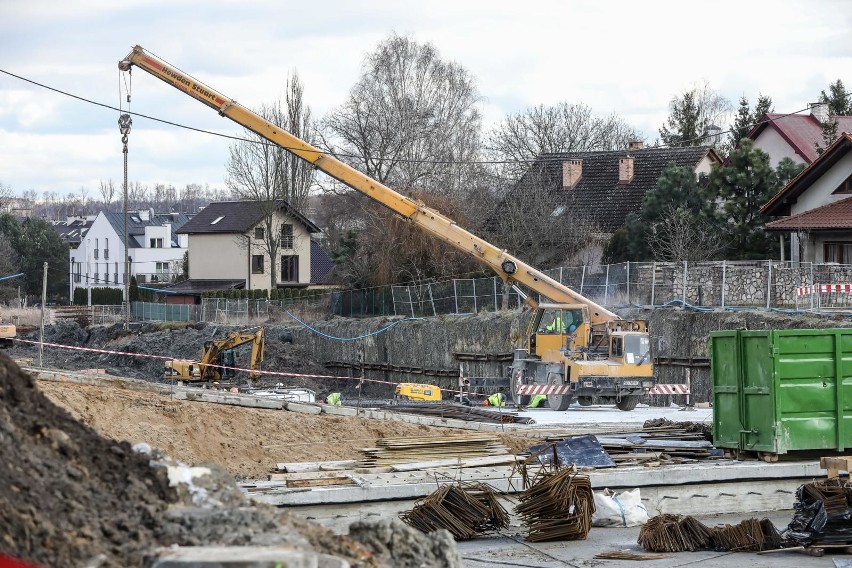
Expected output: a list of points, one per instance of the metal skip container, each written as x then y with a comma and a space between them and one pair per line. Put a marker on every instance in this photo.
782, 390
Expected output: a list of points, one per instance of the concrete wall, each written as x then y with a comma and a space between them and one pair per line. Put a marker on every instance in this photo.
430, 343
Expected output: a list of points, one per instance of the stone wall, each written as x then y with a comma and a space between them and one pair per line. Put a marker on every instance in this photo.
430, 343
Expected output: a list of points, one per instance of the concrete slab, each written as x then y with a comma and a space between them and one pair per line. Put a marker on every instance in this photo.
244, 557
303, 408
339, 410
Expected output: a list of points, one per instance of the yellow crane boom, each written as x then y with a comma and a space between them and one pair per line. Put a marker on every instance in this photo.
507, 267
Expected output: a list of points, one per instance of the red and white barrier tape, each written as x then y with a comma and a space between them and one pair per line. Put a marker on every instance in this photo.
669, 389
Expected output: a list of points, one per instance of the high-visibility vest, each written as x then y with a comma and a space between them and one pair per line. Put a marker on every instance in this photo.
537, 400
555, 326
333, 398
496, 399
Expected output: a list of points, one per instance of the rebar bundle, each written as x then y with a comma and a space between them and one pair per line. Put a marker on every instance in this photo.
750, 535
674, 533
823, 513
558, 506
465, 509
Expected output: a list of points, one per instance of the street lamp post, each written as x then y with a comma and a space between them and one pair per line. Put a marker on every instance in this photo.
124, 124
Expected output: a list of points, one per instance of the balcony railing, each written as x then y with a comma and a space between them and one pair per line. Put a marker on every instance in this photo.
154, 278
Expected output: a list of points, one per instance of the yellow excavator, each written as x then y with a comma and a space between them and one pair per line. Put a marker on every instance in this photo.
597, 354
217, 358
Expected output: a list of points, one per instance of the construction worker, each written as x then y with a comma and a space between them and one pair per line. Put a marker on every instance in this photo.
496, 399
333, 399
537, 401
556, 326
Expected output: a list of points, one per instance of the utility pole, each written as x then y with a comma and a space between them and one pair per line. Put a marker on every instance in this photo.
43, 302
124, 124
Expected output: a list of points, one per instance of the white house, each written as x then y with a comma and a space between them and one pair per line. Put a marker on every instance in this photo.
816, 208
228, 249
155, 250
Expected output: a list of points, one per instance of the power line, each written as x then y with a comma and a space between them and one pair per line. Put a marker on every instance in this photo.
544, 158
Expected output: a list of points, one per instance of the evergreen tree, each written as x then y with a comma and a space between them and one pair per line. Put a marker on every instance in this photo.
35, 241
838, 100
744, 184
746, 119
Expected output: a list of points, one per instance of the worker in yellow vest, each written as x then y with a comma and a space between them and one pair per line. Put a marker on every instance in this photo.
333, 399
496, 399
537, 401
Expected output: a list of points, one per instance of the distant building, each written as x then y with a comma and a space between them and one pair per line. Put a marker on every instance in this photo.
73, 229
226, 250
795, 136
155, 249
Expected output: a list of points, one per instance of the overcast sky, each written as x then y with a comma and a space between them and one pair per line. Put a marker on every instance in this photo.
628, 58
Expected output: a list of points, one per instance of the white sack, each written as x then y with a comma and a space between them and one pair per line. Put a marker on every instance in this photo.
619, 509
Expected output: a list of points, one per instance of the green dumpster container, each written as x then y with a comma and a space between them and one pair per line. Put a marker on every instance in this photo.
782, 390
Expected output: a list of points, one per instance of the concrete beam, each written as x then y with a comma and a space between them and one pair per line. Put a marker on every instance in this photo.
244, 557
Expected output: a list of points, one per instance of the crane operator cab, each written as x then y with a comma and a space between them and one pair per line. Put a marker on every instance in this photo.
557, 329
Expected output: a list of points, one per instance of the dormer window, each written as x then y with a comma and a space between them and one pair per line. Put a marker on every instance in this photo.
217, 219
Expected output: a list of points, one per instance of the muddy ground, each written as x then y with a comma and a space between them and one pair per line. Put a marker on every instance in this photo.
72, 497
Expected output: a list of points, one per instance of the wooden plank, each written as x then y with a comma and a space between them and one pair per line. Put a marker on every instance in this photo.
463, 463
836, 464
339, 480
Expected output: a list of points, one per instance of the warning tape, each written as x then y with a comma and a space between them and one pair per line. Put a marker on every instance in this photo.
824, 289
543, 389
361, 380
669, 389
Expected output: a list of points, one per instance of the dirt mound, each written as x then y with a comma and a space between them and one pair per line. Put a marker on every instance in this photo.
69, 494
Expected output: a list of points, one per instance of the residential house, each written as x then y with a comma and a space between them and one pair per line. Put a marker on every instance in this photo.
795, 136
227, 250
817, 208
155, 249
605, 187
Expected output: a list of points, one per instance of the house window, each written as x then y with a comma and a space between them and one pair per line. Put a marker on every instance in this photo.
96, 249
115, 274
96, 274
290, 268
106, 249
845, 187
257, 264
840, 252
77, 270
156, 243
287, 236
258, 233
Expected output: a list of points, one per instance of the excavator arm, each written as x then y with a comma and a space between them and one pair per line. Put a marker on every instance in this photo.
212, 349
510, 269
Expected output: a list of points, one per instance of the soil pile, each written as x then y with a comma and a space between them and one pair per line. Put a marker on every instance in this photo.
68, 494
73, 498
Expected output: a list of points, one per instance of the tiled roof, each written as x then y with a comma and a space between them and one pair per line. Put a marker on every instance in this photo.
801, 131
237, 217
599, 195
196, 287
136, 225
837, 215
321, 265
781, 201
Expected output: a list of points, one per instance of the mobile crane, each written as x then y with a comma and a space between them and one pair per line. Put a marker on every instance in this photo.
217, 359
593, 352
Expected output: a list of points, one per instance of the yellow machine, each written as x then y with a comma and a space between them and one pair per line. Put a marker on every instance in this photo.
217, 358
416, 391
601, 355
7, 334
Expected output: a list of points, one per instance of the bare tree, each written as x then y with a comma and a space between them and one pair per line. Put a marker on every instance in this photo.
411, 119
265, 173
6, 195
107, 191
520, 138
679, 235
539, 225
696, 118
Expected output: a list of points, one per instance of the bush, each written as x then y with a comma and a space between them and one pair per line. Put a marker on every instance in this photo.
100, 296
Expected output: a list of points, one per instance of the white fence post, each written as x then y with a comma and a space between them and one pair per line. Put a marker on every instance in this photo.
606, 285
628, 282
473, 283
768, 284
724, 275
653, 281
684, 282
582, 279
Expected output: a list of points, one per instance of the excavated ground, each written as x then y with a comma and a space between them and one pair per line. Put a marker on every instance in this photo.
72, 497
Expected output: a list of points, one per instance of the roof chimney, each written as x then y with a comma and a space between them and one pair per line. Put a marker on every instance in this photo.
635, 145
572, 171
819, 111
625, 170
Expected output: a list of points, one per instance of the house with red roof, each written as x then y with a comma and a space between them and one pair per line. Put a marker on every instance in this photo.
816, 207
795, 136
